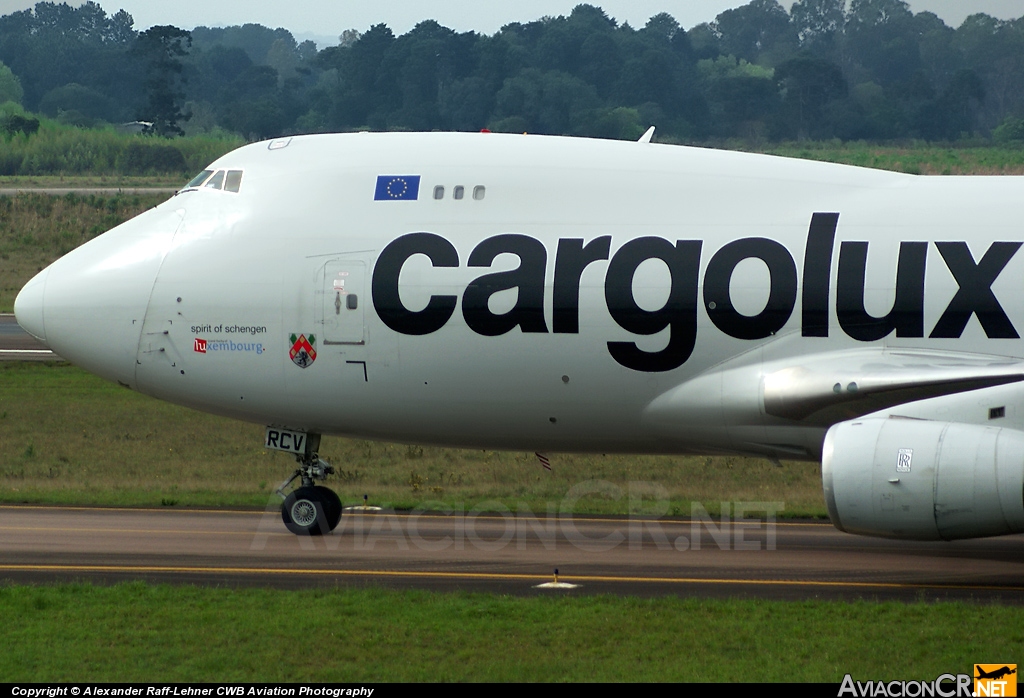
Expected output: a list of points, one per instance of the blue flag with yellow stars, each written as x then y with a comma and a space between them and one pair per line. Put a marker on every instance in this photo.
397, 188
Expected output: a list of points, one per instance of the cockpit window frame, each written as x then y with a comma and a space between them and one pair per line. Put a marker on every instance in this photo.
216, 181
233, 181
220, 179
199, 179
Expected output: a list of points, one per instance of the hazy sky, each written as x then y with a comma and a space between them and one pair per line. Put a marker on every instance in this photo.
328, 18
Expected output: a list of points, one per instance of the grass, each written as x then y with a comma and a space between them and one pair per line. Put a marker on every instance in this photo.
143, 633
92, 180
69, 437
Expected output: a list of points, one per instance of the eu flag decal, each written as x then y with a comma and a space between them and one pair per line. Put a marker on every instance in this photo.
397, 188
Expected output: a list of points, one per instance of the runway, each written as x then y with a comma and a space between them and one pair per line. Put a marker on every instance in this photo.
503, 554
18, 345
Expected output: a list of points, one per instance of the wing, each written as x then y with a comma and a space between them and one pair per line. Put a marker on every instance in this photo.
831, 388
782, 406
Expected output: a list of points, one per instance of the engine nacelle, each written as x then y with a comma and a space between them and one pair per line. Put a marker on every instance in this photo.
923, 480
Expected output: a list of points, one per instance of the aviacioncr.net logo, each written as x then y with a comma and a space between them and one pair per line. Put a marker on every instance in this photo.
995, 680
944, 686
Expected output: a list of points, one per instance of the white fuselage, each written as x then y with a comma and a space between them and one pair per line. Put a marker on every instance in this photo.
200, 300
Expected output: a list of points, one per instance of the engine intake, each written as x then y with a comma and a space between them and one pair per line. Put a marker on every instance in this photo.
923, 480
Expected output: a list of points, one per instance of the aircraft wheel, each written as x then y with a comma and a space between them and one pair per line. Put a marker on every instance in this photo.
311, 511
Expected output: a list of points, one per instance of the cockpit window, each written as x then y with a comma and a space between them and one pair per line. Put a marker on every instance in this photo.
199, 179
233, 182
222, 180
216, 181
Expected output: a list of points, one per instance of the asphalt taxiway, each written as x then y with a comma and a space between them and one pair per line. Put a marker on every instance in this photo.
502, 553
18, 345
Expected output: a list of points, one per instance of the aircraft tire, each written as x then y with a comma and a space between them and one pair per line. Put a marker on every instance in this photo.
307, 511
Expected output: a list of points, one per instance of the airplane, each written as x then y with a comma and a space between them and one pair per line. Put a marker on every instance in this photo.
559, 294
995, 673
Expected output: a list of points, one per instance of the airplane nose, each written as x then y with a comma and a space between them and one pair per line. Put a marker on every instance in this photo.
94, 299
28, 306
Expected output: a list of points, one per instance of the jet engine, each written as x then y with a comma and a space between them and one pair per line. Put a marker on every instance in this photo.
923, 480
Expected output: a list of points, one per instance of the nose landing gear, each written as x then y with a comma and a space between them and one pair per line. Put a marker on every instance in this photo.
310, 510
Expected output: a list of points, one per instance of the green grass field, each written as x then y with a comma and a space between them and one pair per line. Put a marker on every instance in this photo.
138, 632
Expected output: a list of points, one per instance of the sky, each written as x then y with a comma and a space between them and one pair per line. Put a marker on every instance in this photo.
326, 19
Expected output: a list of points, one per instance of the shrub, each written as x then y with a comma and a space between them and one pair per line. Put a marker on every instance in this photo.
11, 124
1012, 129
145, 158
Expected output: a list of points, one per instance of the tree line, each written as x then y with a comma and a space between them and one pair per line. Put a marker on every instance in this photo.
846, 69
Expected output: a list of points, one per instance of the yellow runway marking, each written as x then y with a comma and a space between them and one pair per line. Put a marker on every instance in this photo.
490, 576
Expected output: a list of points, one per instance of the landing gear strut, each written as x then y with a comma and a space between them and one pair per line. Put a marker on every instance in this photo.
310, 510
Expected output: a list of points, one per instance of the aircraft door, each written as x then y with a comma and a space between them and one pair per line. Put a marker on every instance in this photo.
161, 354
342, 302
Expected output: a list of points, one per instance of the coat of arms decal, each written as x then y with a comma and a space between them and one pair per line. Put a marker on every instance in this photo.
303, 351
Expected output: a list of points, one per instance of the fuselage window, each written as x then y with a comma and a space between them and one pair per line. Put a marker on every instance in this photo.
233, 182
216, 181
478, 192
439, 192
458, 192
199, 179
